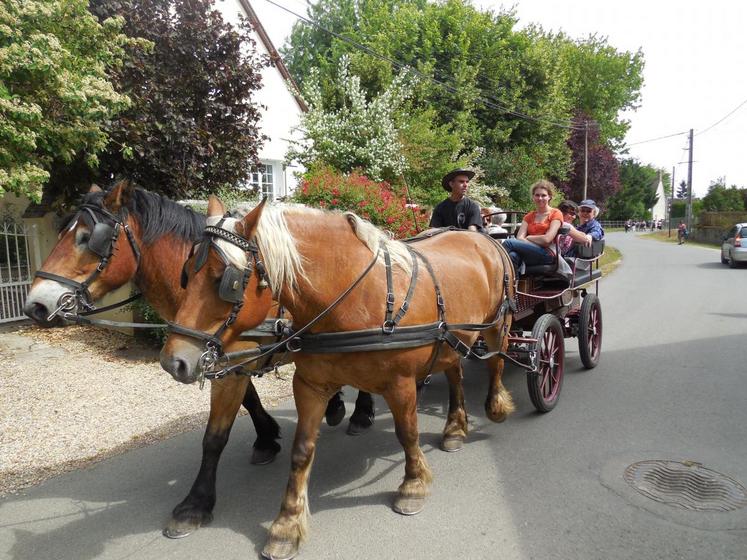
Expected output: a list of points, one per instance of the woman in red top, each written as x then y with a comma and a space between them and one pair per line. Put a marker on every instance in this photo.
533, 243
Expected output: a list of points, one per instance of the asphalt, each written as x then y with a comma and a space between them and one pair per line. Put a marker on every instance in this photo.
670, 387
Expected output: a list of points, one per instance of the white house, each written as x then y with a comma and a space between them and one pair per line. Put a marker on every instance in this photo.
282, 110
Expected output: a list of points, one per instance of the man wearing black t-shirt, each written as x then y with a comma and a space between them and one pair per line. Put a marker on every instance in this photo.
457, 211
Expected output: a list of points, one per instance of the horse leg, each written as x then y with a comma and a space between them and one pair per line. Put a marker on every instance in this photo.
402, 400
197, 508
265, 447
498, 404
335, 410
455, 431
291, 525
363, 416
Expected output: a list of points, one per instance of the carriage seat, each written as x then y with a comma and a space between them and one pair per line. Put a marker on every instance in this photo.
552, 268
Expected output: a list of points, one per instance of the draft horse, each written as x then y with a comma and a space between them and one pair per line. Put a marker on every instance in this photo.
334, 273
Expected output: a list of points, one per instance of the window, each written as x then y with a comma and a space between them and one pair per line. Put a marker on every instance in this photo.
263, 179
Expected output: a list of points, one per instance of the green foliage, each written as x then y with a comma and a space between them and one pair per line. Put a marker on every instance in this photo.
682, 189
360, 134
144, 313
723, 199
55, 89
193, 127
637, 194
510, 93
375, 201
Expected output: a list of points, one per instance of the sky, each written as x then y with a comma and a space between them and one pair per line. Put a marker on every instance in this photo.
695, 73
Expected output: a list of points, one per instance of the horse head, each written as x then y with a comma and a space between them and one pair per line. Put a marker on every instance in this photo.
226, 293
97, 252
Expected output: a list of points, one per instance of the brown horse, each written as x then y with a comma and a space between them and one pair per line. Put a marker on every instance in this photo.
160, 236
312, 257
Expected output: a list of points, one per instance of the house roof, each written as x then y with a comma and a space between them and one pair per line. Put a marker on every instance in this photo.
275, 58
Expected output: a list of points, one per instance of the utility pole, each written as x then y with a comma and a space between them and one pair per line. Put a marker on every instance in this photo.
670, 205
586, 156
690, 184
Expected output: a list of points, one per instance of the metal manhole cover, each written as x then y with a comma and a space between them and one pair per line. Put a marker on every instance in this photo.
688, 485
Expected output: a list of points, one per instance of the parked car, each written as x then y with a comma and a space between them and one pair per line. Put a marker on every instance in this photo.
734, 246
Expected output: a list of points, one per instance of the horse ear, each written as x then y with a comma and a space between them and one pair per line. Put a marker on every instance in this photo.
215, 206
119, 196
94, 188
251, 220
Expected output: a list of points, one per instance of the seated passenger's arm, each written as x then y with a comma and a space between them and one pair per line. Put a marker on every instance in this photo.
580, 237
548, 237
522, 231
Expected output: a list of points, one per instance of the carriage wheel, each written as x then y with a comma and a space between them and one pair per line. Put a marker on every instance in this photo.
590, 331
544, 384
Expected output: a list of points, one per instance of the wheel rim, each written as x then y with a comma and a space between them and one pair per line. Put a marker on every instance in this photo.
550, 366
594, 333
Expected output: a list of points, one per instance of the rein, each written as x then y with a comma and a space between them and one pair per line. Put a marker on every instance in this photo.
388, 337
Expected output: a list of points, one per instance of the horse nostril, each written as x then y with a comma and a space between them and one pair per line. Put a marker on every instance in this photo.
177, 367
36, 311
181, 369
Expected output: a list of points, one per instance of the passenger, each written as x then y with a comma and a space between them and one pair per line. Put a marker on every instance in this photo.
569, 210
588, 212
492, 222
457, 210
533, 242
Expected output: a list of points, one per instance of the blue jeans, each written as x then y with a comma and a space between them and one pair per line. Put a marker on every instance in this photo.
526, 251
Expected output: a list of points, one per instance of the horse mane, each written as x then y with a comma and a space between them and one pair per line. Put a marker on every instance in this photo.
283, 262
156, 214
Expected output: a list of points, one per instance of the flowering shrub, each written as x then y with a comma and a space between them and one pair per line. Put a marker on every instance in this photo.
359, 134
377, 202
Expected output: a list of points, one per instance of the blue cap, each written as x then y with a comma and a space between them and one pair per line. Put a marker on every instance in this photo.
588, 203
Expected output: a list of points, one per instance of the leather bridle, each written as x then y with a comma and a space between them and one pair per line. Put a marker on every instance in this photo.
102, 242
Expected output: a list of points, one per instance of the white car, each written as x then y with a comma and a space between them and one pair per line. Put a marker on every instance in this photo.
734, 246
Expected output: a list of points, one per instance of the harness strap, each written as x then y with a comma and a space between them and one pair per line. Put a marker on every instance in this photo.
410, 291
389, 288
439, 298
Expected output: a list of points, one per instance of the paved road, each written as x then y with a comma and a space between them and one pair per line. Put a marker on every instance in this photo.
670, 387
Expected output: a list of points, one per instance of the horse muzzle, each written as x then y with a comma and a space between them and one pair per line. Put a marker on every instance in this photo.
182, 364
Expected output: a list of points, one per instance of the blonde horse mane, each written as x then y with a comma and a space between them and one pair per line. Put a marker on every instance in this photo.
283, 262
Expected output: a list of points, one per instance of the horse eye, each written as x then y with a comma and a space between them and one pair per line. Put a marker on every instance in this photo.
82, 237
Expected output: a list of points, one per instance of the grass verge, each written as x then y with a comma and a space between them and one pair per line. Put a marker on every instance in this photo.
662, 236
610, 260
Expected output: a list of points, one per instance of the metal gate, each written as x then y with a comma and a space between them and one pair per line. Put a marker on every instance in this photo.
16, 268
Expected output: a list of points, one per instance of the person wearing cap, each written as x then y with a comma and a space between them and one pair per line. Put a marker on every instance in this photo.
587, 213
534, 240
457, 210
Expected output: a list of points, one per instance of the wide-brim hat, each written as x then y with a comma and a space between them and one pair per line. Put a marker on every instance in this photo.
456, 172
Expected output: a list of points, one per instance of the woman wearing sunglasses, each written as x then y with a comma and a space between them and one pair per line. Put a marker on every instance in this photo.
569, 209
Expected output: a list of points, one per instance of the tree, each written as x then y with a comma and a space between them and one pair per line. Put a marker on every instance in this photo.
682, 189
722, 199
193, 127
55, 88
637, 194
510, 93
603, 176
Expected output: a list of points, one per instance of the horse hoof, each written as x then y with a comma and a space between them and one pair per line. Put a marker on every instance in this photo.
357, 428
452, 444
280, 550
408, 505
262, 456
334, 417
179, 529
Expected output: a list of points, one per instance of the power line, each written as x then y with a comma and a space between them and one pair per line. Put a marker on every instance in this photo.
487, 101
722, 119
659, 137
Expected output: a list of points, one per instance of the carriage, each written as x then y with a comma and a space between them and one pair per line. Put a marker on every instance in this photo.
555, 302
